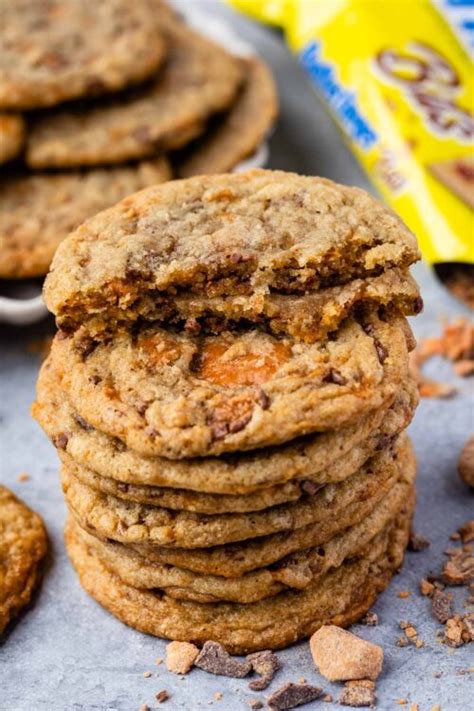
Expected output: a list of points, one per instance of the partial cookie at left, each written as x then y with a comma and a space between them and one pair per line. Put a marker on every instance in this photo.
23, 547
37, 211
12, 136
54, 50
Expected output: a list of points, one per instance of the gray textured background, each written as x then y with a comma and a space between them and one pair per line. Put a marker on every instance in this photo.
65, 652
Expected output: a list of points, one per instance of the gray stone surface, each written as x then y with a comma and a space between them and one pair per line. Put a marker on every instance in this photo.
65, 652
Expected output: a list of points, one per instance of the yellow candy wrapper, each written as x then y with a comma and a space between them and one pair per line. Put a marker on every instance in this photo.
399, 81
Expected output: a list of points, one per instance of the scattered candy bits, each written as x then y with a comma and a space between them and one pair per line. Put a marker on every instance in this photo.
341, 655
180, 657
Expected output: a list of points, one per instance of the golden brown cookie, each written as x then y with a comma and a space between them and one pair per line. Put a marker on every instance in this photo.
237, 134
177, 395
198, 79
291, 253
23, 546
54, 50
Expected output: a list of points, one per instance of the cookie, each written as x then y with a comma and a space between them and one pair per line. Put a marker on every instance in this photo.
296, 571
341, 597
319, 458
12, 136
233, 137
198, 79
237, 559
55, 50
142, 524
177, 395
23, 546
38, 211
254, 237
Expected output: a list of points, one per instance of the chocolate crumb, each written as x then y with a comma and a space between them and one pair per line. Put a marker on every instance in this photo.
334, 376
459, 569
382, 353
441, 606
60, 441
417, 543
214, 659
266, 664
328, 699
255, 704
162, 696
310, 487
83, 423
291, 695
370, 619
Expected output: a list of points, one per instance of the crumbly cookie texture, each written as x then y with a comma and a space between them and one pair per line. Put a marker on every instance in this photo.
295, 571
240, 132
250, 238
341, 597
199, 78
55, 50
38, 211
237, 559
12, 136
177, 395
246, 481
128, 522
23, 545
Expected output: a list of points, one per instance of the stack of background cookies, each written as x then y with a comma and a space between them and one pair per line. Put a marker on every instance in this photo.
100, 99
228, 393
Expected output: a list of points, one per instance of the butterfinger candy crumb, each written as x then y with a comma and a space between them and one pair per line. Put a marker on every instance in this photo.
341, 655
255, 704
427, 588
414, 707
441, 606
418, 543
23, 476
402, 702
370, 619
459, 569
436, 708
404, 594
328, 698
218, 695
358, 694
147, 674
466, 463
214, 659
291, 695
144, 707
180, 657
266, 664
158, 661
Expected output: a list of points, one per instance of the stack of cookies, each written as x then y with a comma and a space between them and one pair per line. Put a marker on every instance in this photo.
228, 392
100, 99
